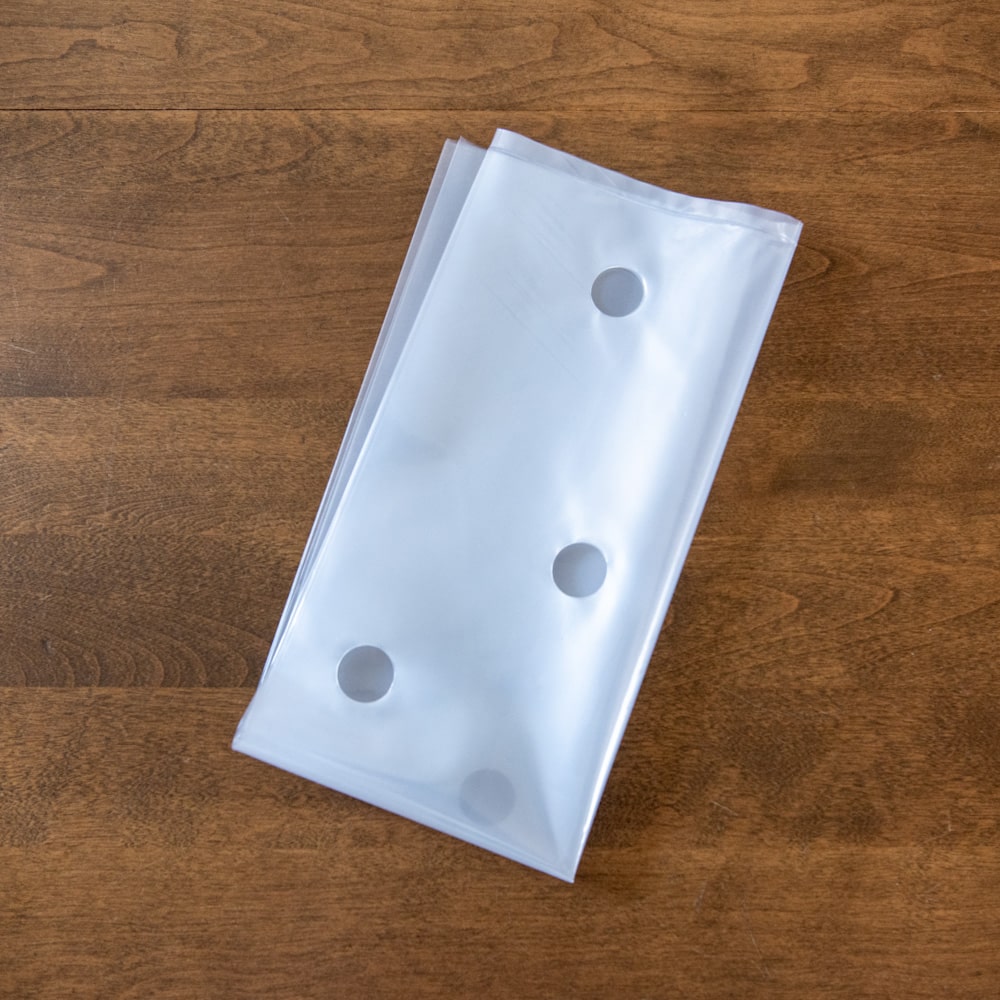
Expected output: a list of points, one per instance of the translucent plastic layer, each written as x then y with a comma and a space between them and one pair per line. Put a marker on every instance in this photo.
532, 448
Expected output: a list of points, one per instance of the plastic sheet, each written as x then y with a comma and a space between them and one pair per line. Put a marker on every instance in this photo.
533, 444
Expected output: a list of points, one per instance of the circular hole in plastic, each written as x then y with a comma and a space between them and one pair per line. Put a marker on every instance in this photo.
487, 796
617, 291
365, 673
579, 569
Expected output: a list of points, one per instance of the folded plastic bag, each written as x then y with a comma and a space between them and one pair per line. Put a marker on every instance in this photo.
533, 444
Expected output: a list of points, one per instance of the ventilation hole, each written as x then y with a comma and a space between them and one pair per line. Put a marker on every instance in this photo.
579, 569
487, 796
617, 291
365, 673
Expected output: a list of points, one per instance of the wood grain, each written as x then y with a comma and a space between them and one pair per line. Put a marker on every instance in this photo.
279, 244
792, 853
543, 54
203, 210
177, 372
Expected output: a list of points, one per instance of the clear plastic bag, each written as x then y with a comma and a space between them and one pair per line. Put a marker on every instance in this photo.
520, 481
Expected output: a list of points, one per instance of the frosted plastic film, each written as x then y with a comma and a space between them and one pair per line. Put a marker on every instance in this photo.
533, 444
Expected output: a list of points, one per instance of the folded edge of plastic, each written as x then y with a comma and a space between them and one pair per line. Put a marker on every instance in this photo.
450, 183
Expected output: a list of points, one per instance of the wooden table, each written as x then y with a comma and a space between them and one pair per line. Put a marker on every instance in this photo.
203, 210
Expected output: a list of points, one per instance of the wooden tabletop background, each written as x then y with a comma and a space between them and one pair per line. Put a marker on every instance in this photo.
203, 211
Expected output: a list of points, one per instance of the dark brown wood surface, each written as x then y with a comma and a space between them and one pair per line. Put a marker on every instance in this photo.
203, 210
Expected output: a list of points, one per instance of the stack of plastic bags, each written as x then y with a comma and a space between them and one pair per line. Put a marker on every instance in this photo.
518, 486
